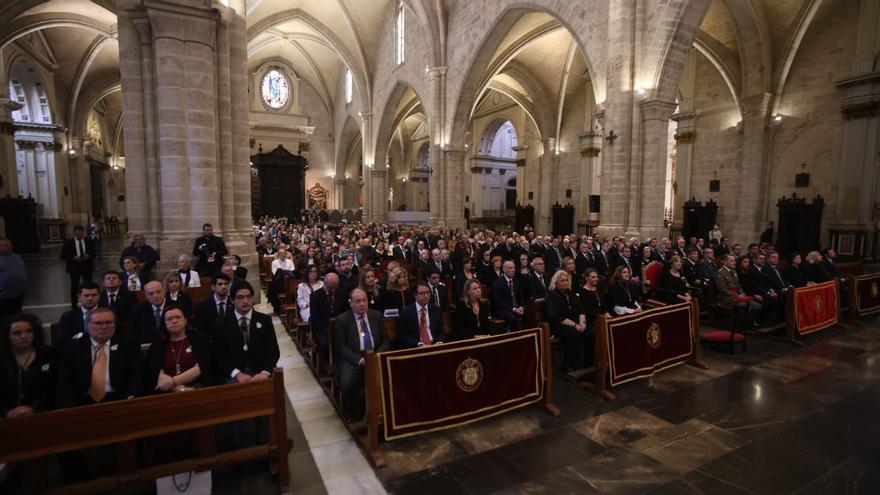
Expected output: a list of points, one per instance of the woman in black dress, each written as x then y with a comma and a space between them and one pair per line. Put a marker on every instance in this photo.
27, 373
471, 315
793, 272
591, 297
493, 273
622, 297
673, 285
182, 357
568, 321
397, 293
466, 273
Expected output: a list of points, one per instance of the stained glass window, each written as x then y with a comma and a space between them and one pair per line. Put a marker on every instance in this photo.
275, 89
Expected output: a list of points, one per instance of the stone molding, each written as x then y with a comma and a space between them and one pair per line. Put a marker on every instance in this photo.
864, 110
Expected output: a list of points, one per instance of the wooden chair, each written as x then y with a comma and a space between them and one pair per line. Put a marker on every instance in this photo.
731, 337
289, 306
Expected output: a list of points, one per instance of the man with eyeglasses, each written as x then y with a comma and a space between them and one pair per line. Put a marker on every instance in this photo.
421, 323
100, 365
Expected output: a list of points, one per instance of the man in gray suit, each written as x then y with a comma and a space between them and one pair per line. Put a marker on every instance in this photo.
356, 332
730, 294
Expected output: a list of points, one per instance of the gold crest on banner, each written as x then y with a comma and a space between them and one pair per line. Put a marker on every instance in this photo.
817, 303
469, 375
654, 335
874, 290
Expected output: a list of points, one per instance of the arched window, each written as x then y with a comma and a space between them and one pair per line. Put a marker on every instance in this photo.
499, 140
348, 86
16, 91
400, 32
423, 161
275, 89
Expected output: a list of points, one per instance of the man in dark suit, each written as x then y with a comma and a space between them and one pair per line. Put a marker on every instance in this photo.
72, 323
145, 321
245, 340
439, 291
210, 249
584, 259
357, 331
463, 250
400, 251
421, 323
211, 310
79, 380
774, 276
347, 278
603, 259
115, 297
507, 297
536, 288
553, 256
325, 303
437, 263
78, 252
626, 260
143, 252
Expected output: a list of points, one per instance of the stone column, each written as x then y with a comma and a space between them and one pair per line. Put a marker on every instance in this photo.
339, 192
439, 177
858, 199
684, 159
652, 174
8, 166
454, 159
618, 121
590, 147
754, 172
546, 198
186, 124
369, 153
378, 195
521, 156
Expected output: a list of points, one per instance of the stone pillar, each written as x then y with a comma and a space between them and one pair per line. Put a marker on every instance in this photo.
454, 159
590, 147
858, 199
184, 85
652, 174
521, 156
754, 180
546, 198
618, 121
684, 160
378, 194
8, 166
339, 192
439, 177
369, 153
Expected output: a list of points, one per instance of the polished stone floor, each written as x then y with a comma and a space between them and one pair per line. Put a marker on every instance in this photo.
775, 419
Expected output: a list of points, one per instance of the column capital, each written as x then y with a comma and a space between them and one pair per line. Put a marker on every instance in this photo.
454, 152
755, 106
682, 137
654, 109
434, 72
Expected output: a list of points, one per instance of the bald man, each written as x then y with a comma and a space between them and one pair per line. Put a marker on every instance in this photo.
145, 321
356, 332
325, 303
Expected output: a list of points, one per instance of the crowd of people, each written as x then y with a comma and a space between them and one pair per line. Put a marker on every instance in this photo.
355, 275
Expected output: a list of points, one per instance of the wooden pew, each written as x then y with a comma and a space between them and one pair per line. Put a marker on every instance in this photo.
29, 439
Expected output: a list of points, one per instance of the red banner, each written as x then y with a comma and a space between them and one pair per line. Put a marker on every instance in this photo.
448, 385
866, 295
815, 307
642, 344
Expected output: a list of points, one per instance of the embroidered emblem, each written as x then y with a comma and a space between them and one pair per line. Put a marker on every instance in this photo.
114, 347
654, 335
874, 290
817, 304
469, 375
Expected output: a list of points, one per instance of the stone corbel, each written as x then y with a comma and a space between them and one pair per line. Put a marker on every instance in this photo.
685, 137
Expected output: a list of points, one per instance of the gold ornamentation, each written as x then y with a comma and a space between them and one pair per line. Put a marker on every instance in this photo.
874, 290
469, 375
654, 335
817, 303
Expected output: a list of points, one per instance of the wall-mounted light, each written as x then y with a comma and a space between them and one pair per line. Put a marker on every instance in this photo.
333, 175
347, 177
403, 179
558, 153
72, 152
777, 118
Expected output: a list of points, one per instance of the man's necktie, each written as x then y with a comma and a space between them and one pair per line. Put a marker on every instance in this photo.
365, 333
436, 296
99, 374
512, 295
245, 331
112, 300
157, 316
221, 309
424, 335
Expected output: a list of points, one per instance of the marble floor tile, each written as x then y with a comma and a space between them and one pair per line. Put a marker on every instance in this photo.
340, 459
498, 431
697, 483
418, 453
563, 481
428, 482
325, 430
318, 407
362, 484
623, 471
549, 451
787, 369
687, 446
485, 473
621, 427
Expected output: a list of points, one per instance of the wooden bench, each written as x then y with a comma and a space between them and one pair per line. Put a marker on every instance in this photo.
29, 439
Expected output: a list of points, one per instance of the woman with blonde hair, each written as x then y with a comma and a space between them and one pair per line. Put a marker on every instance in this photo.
397, 293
